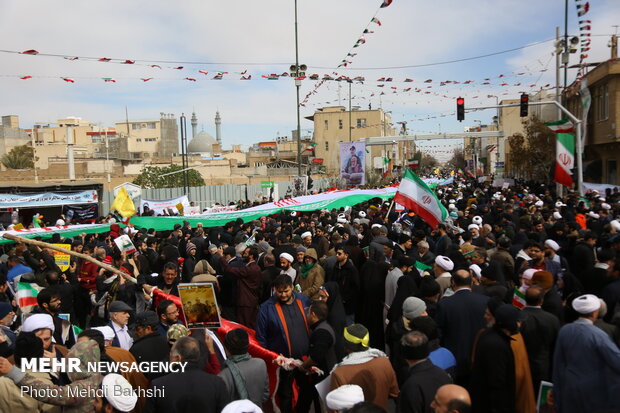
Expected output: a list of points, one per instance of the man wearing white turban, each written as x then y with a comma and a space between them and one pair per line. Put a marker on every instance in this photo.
586, 363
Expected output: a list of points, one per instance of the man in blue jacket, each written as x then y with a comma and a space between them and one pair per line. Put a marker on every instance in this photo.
282, 328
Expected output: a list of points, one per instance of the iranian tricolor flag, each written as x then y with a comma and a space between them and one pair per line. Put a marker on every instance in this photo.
415, 195
564, 152
518, 298
27, 295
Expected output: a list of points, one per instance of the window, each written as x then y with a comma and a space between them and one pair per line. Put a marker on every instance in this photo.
326, 145
151, 125
139, 140
96, 139
601, 102
340, 125
150, 139
135, 126
361, 122
326, 123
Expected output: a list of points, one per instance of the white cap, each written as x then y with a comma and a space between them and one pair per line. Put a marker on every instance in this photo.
118, 392
615, 224
605, 205
306, 234
557, 215
594, 215
529, 273
293, 213
476, 269
60, 222
244, 406
473, 226
477, 220
37, 322
451, 207
586, 304
362, 214
108, 333
342, 218
287, 256
552, 244
444, 263
539, 203
559, 204
452, 201
344, 397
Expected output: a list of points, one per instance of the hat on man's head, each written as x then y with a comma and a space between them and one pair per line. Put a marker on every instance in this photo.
473, 226
264, 246
413, 307
190, 246
287, 257
444, 263
38, 321
356, 337
108, 333
552, 244
241, 406
119, 307
176, 331
118, 392
344, 397
477, 220
306, 234
475, 268
586, 304
147, 318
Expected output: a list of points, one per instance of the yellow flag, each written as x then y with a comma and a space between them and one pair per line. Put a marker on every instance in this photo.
452, 172
123, 204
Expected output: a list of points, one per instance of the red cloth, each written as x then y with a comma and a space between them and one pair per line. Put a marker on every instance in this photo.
87, 275
255, 349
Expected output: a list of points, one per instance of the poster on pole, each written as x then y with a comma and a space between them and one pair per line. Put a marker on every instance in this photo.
199, 305
62, 259
159, 206
352, 162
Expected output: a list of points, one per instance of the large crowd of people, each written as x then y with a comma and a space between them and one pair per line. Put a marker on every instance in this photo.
514, 301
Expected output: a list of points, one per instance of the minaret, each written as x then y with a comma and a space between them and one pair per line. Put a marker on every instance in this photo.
218, 127
194, 125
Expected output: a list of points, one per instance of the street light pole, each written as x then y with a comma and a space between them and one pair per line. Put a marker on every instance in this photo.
297, 86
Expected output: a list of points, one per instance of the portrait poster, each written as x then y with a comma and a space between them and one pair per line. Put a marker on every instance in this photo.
545, 401
353, 162
199, 305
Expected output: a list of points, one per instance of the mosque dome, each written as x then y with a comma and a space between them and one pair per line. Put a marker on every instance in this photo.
201, 143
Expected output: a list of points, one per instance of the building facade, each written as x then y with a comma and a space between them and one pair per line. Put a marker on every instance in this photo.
335, 124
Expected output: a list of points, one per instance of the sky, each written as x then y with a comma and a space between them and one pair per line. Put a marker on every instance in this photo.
256, 38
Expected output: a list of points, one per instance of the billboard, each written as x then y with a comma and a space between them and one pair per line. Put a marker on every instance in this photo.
353, 162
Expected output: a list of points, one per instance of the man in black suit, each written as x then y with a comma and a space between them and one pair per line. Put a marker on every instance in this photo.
460, 317
192, 389
424, 377
539, 330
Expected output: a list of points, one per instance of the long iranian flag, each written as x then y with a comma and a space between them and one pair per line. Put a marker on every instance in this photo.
564, 152
414, 194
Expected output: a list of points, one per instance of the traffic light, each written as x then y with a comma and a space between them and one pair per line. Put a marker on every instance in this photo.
460, 109
525, 98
